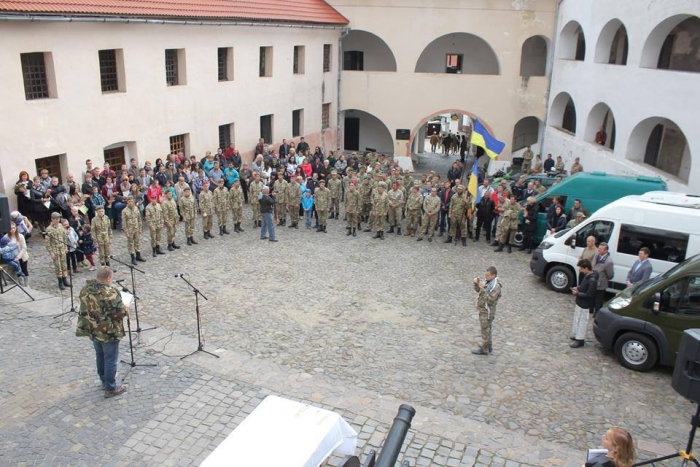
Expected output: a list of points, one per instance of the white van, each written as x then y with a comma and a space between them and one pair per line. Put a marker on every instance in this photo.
666, 223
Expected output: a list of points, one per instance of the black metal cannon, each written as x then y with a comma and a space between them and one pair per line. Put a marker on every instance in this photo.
392, 444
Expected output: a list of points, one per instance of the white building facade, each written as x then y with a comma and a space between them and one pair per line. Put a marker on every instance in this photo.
636, 76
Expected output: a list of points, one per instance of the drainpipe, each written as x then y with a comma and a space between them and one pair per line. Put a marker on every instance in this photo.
551, 73
345, 32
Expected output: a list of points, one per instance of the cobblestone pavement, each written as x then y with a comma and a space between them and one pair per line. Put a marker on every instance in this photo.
353, 324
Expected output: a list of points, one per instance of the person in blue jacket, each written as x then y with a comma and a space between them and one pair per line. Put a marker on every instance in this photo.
307, 203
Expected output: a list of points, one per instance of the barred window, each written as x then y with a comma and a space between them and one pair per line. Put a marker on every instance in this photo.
223, 61
115, 157
36, 85
51, 164
266, 128
325, 116
297, 122
265, 61
326, 58
299, 58
178, 144
108, 70
225, 136
171, 67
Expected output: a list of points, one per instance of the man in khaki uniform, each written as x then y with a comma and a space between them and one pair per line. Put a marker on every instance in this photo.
133, 228
154, 217
352, 207
431, 209
188, 211
456, 213
576, 167
509, 220
365, 200
335, 185
102, 235
220, 198
322, 202
489, 292
413, 207
206, 207
235, 200
170, 218
293, 201
254, 192
396, 204
56, 245
380, 208
279, 190
527, 160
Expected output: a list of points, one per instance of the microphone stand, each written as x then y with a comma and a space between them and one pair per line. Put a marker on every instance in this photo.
197, 293
133, 268
6, 287
133, 363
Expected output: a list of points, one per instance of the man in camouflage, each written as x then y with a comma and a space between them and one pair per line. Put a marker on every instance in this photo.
413, 207
154, 217
188, 211
380, 207
279, 190
254, 192
352, 207
56, 245
322, 202
102, 235
293, 201
235, 200
431, 210
489, 292
456, 214
206, 207
133, 228
170, 218
221, 206
396, 204
366, 200
335, 185
102, 312
509, 220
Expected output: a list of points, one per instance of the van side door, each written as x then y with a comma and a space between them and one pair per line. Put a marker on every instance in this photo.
679, 310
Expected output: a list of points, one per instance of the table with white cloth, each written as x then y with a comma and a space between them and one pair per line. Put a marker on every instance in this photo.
282, 432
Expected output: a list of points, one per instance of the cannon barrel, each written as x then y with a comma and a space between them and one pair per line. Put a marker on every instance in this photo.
395, 438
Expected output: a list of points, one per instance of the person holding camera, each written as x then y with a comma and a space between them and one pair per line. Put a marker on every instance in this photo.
585, 295
489, 292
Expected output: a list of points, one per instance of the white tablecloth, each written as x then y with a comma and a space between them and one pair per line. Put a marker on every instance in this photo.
281, 432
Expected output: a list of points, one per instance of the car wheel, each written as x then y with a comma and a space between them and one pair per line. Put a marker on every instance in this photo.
636, 351
560, 279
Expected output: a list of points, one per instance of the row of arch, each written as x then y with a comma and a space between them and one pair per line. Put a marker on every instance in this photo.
674, 44
655, 141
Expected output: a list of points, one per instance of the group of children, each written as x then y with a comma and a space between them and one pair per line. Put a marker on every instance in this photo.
80, 246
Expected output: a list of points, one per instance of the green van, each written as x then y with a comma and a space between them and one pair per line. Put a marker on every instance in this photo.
595, 190
643, 325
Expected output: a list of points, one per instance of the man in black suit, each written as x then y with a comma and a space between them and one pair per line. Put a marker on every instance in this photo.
284, 149
445, 195
641, 269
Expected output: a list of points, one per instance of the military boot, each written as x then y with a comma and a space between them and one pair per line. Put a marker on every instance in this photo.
349, 231
398, 230
381, 235
495, 243
510, 248
378, 234
221, 231
65, 282
464, 241
324, 229
153, 250
170, 247
240, 229
391, 229
449, 239
60, 284
177, 247
500, 247
133, 260
139, 258
159, 251
194, 243
226, 231
189, 242
354, 232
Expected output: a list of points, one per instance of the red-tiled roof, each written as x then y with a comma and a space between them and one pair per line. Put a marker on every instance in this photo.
284, 11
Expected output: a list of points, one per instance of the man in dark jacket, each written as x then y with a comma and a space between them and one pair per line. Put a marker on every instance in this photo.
484, 216
445, 195
585, 299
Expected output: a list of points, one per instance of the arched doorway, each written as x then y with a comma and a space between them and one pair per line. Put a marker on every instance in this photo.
612, 46
362, 132
364, 51
600, 127
458, 53
659, 143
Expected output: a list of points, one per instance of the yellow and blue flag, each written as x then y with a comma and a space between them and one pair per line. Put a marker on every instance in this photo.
473, 186
482, 138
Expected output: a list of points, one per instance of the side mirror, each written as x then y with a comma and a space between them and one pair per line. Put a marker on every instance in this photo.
572, 242
656, 307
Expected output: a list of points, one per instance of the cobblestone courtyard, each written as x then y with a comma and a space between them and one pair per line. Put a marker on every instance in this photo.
352, 324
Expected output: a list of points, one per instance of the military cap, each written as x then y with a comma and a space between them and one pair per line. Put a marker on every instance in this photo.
129, 197
98, 208
382, 184
187, 188
460, 187
55, 215
322, 181
333, 172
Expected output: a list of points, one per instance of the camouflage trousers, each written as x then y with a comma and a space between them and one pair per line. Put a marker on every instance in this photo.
256, 211
322, 217
395, 216
281, 212
60, 265
155, 236
104, 249
207, 222
237, 214
294, 213
526, 166
366, 209
486, 320
413, 220
352, 220
170, 233
133, 242
335, 205
507, 235
455, 223
189, 228
428, 225
379, 222
222, 216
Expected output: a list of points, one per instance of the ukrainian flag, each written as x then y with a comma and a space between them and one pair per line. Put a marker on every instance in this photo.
473, 185
482, 138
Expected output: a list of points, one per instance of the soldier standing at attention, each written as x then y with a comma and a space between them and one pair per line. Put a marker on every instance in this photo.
415, 202
102, 235
279, 189
56, 245
396, 204
527, 160
366, 201
133, 228
352, 207
489, 292
170, 218
380, 207
293, 201
254, 192
206, 207
188, 211
322, 201
235, 200
154, 217
102, 306
221, 206
431, 208
336, 188
457, 210
509, 220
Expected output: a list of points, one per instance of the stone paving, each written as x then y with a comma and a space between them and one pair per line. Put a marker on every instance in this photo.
355, 325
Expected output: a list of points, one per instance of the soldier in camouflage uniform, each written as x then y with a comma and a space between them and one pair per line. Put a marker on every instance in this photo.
56, 245
380, 207
322, 203
102, 312
170, 218
293, 201
188, 211
335, 185
366, 200
407, 181
254, 192
352, 208
279, 190
396, 205
133, 228
206, 207
102, 235
221, 206
509, 220
456, 214
413, 207
235, 200
489, 293
154, 217
431, 210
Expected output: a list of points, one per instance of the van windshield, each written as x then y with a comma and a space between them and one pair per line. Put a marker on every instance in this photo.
644, 286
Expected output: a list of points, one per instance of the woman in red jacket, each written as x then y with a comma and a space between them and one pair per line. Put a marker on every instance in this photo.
306, 167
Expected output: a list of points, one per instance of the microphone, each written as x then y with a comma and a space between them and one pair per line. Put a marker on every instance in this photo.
179, 275
119, 281
112, 256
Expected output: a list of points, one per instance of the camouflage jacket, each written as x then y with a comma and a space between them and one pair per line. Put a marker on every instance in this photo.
235, 197
221, 198
56, 239
188, 207
322, 199
131, 220
352, 201
154, 216
103, 309
169, 209
336, 187
206, 203
101, 229
280, 191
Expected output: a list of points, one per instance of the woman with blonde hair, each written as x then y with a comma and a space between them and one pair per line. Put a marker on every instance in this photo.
620, 446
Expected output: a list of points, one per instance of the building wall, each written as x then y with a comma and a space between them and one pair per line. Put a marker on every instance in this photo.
403, 98
82, 121
633, 92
